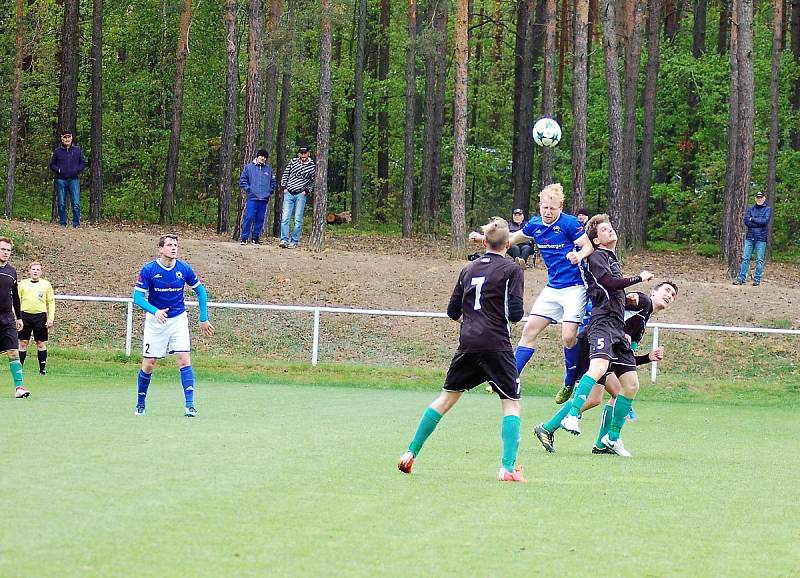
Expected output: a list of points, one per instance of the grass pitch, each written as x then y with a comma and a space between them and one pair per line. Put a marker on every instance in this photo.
292, 480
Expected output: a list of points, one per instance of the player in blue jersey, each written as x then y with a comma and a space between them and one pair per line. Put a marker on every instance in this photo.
556, 234
159, 291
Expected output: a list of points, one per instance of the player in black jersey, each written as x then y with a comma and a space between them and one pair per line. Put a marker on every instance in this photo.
10, 316
638, 309
609, 348
487, 298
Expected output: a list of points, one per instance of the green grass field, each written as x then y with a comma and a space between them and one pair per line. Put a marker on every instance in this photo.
300, 480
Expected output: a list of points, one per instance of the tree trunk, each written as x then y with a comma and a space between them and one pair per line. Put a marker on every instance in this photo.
672, 22
744, 150
411, 96
649, 110
358, 111
96, 161
580, 88
229, 116
458, 248
631, 212
317, 240
724, 24
689, 144
253, 95
794, 134
438, 129
615, 197
283, 118
434, 106
383, 116
777, 43
522, 148
549, 85
171, 173
271, 94
730, 227
16, 91
563, 48
68, 89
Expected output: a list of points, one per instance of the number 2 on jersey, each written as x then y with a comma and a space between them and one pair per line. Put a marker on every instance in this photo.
478, 283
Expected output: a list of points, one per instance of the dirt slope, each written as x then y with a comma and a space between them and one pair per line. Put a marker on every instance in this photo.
369, 273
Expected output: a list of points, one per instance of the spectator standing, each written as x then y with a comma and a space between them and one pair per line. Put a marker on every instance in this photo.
38, 309
67, 163
522, 251
297, 182
258, 182
756, 219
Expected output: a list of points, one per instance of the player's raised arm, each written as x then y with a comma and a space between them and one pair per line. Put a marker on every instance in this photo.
586, 249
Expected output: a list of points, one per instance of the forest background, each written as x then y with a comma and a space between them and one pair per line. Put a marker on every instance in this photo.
172, 98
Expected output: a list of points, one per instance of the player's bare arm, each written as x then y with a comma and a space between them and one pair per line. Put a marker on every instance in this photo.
586, 249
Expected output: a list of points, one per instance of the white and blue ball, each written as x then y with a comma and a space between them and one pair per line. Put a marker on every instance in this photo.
546, 132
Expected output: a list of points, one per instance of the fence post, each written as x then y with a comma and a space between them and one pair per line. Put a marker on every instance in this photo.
129, 329
654, 366
315, 338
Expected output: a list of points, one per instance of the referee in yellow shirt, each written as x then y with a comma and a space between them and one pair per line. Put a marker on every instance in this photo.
38, 305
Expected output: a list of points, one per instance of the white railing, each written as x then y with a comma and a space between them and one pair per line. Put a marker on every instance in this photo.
318, 311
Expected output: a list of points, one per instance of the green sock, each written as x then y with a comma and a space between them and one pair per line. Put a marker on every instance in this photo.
430, 419
605, 424
582, 391
554, 422
511, 437
16, 372
621, 407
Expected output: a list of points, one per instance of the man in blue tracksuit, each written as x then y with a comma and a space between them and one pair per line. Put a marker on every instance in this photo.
258, 182
756, 219
67, 163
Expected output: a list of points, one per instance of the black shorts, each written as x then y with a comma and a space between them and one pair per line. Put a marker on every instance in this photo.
607, 341
9, 338
471, 368
35, 323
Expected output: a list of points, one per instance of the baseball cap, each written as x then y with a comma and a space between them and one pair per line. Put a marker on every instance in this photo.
517, 212
760, 194
302, 149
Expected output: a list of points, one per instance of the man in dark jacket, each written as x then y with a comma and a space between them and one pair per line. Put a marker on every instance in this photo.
756, 219
67, 163
258, 182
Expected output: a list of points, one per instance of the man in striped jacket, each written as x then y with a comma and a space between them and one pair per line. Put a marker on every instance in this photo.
297, 182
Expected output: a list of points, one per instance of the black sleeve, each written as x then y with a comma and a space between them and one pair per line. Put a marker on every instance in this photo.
643, 359
516, 309
617, 283
15, 300
454, 310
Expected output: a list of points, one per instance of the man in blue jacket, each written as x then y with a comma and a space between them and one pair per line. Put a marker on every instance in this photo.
67, 163
756, 219
258, 182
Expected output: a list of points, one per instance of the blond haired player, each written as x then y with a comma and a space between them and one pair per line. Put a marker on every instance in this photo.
557, 235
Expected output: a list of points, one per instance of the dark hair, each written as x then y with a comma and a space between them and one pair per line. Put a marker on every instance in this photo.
593, 223
583, 211
262, 153
670, 283
166, 236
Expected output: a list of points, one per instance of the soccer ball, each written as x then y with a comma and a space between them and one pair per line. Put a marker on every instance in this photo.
546, 132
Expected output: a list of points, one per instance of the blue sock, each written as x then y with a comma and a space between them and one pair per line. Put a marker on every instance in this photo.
523, 356
571, 365
143, 382
187, 381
